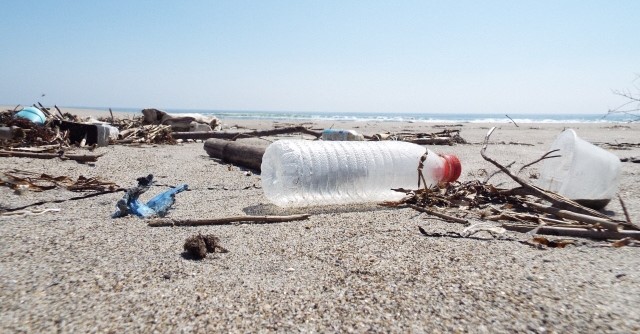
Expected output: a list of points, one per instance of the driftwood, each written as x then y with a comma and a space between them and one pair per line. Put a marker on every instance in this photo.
440, 215
574, 232
75, 198
236, 152
445, 137
606, 223
82, 158
226, 221
432, 141
236, 135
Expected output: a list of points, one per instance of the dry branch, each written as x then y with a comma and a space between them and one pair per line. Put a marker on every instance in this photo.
587, 219
226, 220
76, 157
574, 232
440, 215
236, 135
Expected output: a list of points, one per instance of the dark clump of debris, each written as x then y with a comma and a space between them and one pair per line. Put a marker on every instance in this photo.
198, 246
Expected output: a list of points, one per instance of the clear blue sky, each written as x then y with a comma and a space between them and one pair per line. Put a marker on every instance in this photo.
343, 56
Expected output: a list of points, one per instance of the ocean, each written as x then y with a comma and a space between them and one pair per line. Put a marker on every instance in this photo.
406, 117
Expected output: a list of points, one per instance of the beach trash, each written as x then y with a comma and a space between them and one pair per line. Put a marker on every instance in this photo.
341, 135
159, 205
299, 173
584, 172
33, 114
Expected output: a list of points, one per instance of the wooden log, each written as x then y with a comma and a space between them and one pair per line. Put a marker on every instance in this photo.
234, 135
236, 152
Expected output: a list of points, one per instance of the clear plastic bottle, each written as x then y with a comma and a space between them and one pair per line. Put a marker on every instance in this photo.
304, 173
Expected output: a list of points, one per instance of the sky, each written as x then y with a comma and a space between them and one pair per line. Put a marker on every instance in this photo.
328, 56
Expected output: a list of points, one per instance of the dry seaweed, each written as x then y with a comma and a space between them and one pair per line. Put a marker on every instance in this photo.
17, 179
197, 246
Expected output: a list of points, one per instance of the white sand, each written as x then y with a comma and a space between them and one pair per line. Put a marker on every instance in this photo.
357, 268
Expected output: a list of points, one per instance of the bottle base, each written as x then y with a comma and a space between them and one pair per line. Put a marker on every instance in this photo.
596, 204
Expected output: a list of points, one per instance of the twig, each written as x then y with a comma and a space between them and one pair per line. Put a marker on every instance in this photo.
514, 122
626, 213
587, 219
574, 232
112, 119
545, 156
486, 179
59, 111
76, 157
27, 212
64, 200
557, 200
440, 215
226, 220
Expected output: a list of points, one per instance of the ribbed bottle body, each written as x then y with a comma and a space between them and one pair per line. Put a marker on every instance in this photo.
302, 173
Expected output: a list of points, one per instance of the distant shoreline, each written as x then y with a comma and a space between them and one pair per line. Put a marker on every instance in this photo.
558, 118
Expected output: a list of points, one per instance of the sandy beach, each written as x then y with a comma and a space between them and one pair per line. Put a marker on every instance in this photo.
354, 268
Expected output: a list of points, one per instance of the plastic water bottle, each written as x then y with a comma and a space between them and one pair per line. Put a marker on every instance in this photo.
304, 173
584, 172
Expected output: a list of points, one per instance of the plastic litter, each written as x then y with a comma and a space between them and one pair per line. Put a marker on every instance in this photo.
159, 205
341, 135
303, 173
33, 114
584, 173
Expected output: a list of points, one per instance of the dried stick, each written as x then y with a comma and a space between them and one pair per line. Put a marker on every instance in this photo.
75, 157
587, 219
626, 213
59, 111
64, 200
432, 141
543, 157
574, 232
226, 220
235, 135
112, 118
555, 199
514, 122
440, 215
486, 179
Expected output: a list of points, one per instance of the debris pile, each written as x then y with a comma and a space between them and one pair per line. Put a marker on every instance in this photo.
21, 181
444, 137
520, 209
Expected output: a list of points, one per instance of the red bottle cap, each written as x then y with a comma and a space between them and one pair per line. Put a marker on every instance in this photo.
452, 168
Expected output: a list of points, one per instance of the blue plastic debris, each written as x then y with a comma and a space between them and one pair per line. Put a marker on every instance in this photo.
33, 114
159, 205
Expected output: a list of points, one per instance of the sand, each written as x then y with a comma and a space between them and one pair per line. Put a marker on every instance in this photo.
346, 269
